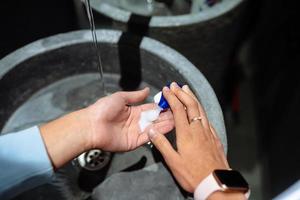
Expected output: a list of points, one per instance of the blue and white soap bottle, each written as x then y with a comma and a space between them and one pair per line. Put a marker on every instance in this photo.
161, 101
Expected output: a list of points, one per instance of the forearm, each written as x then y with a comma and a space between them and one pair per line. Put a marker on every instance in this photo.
66, 137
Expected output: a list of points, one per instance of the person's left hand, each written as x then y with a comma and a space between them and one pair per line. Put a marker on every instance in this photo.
114, 121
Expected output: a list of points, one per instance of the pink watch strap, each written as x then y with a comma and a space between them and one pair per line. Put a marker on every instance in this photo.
208, 186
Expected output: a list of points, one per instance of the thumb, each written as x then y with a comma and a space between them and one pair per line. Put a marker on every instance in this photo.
135, 96
162, 144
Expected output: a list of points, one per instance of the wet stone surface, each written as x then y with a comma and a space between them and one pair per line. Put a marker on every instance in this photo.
64, 96
56, 75
61, 97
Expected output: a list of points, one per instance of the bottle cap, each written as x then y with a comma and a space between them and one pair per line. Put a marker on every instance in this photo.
161, 101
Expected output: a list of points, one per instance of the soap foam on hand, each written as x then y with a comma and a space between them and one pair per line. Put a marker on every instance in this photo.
148, 117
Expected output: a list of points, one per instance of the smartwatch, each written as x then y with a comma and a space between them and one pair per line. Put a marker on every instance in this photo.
222, 180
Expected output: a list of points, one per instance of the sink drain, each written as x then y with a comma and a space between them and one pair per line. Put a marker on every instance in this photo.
94, 159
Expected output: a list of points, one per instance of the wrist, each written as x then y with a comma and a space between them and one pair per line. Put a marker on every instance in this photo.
222, 184
94, 119
227, 195
81, 126
205, 174
66, 137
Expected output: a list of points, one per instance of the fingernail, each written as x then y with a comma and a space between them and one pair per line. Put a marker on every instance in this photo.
166, 89
174, 84
186, 87
146, 88
151, 134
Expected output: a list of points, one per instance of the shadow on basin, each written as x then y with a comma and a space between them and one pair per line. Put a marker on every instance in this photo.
57, 75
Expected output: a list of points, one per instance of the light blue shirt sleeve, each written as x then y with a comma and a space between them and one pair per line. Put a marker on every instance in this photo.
292, 193
24, 162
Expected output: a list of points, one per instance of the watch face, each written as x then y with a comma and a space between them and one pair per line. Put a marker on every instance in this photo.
231, 179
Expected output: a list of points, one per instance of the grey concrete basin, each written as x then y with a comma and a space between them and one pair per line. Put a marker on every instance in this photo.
58, 74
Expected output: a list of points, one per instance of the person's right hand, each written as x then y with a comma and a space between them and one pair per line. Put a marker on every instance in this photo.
199, 150
114, 121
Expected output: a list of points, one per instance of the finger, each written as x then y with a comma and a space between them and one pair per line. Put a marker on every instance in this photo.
164, 124
204, 120
219, 145
190, 103
135, 96
177, 108
163, 127
167, 115
213, 131
163, 145
152, 106
217, 139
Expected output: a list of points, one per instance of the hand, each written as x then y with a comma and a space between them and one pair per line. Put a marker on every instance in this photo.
110, 124
199, 150
114, 121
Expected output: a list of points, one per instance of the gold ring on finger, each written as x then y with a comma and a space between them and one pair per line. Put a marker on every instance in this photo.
195, 119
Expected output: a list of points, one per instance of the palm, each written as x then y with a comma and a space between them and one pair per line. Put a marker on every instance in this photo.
119, 128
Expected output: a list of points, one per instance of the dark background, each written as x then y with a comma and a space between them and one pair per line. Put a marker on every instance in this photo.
264, 90
25, 21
